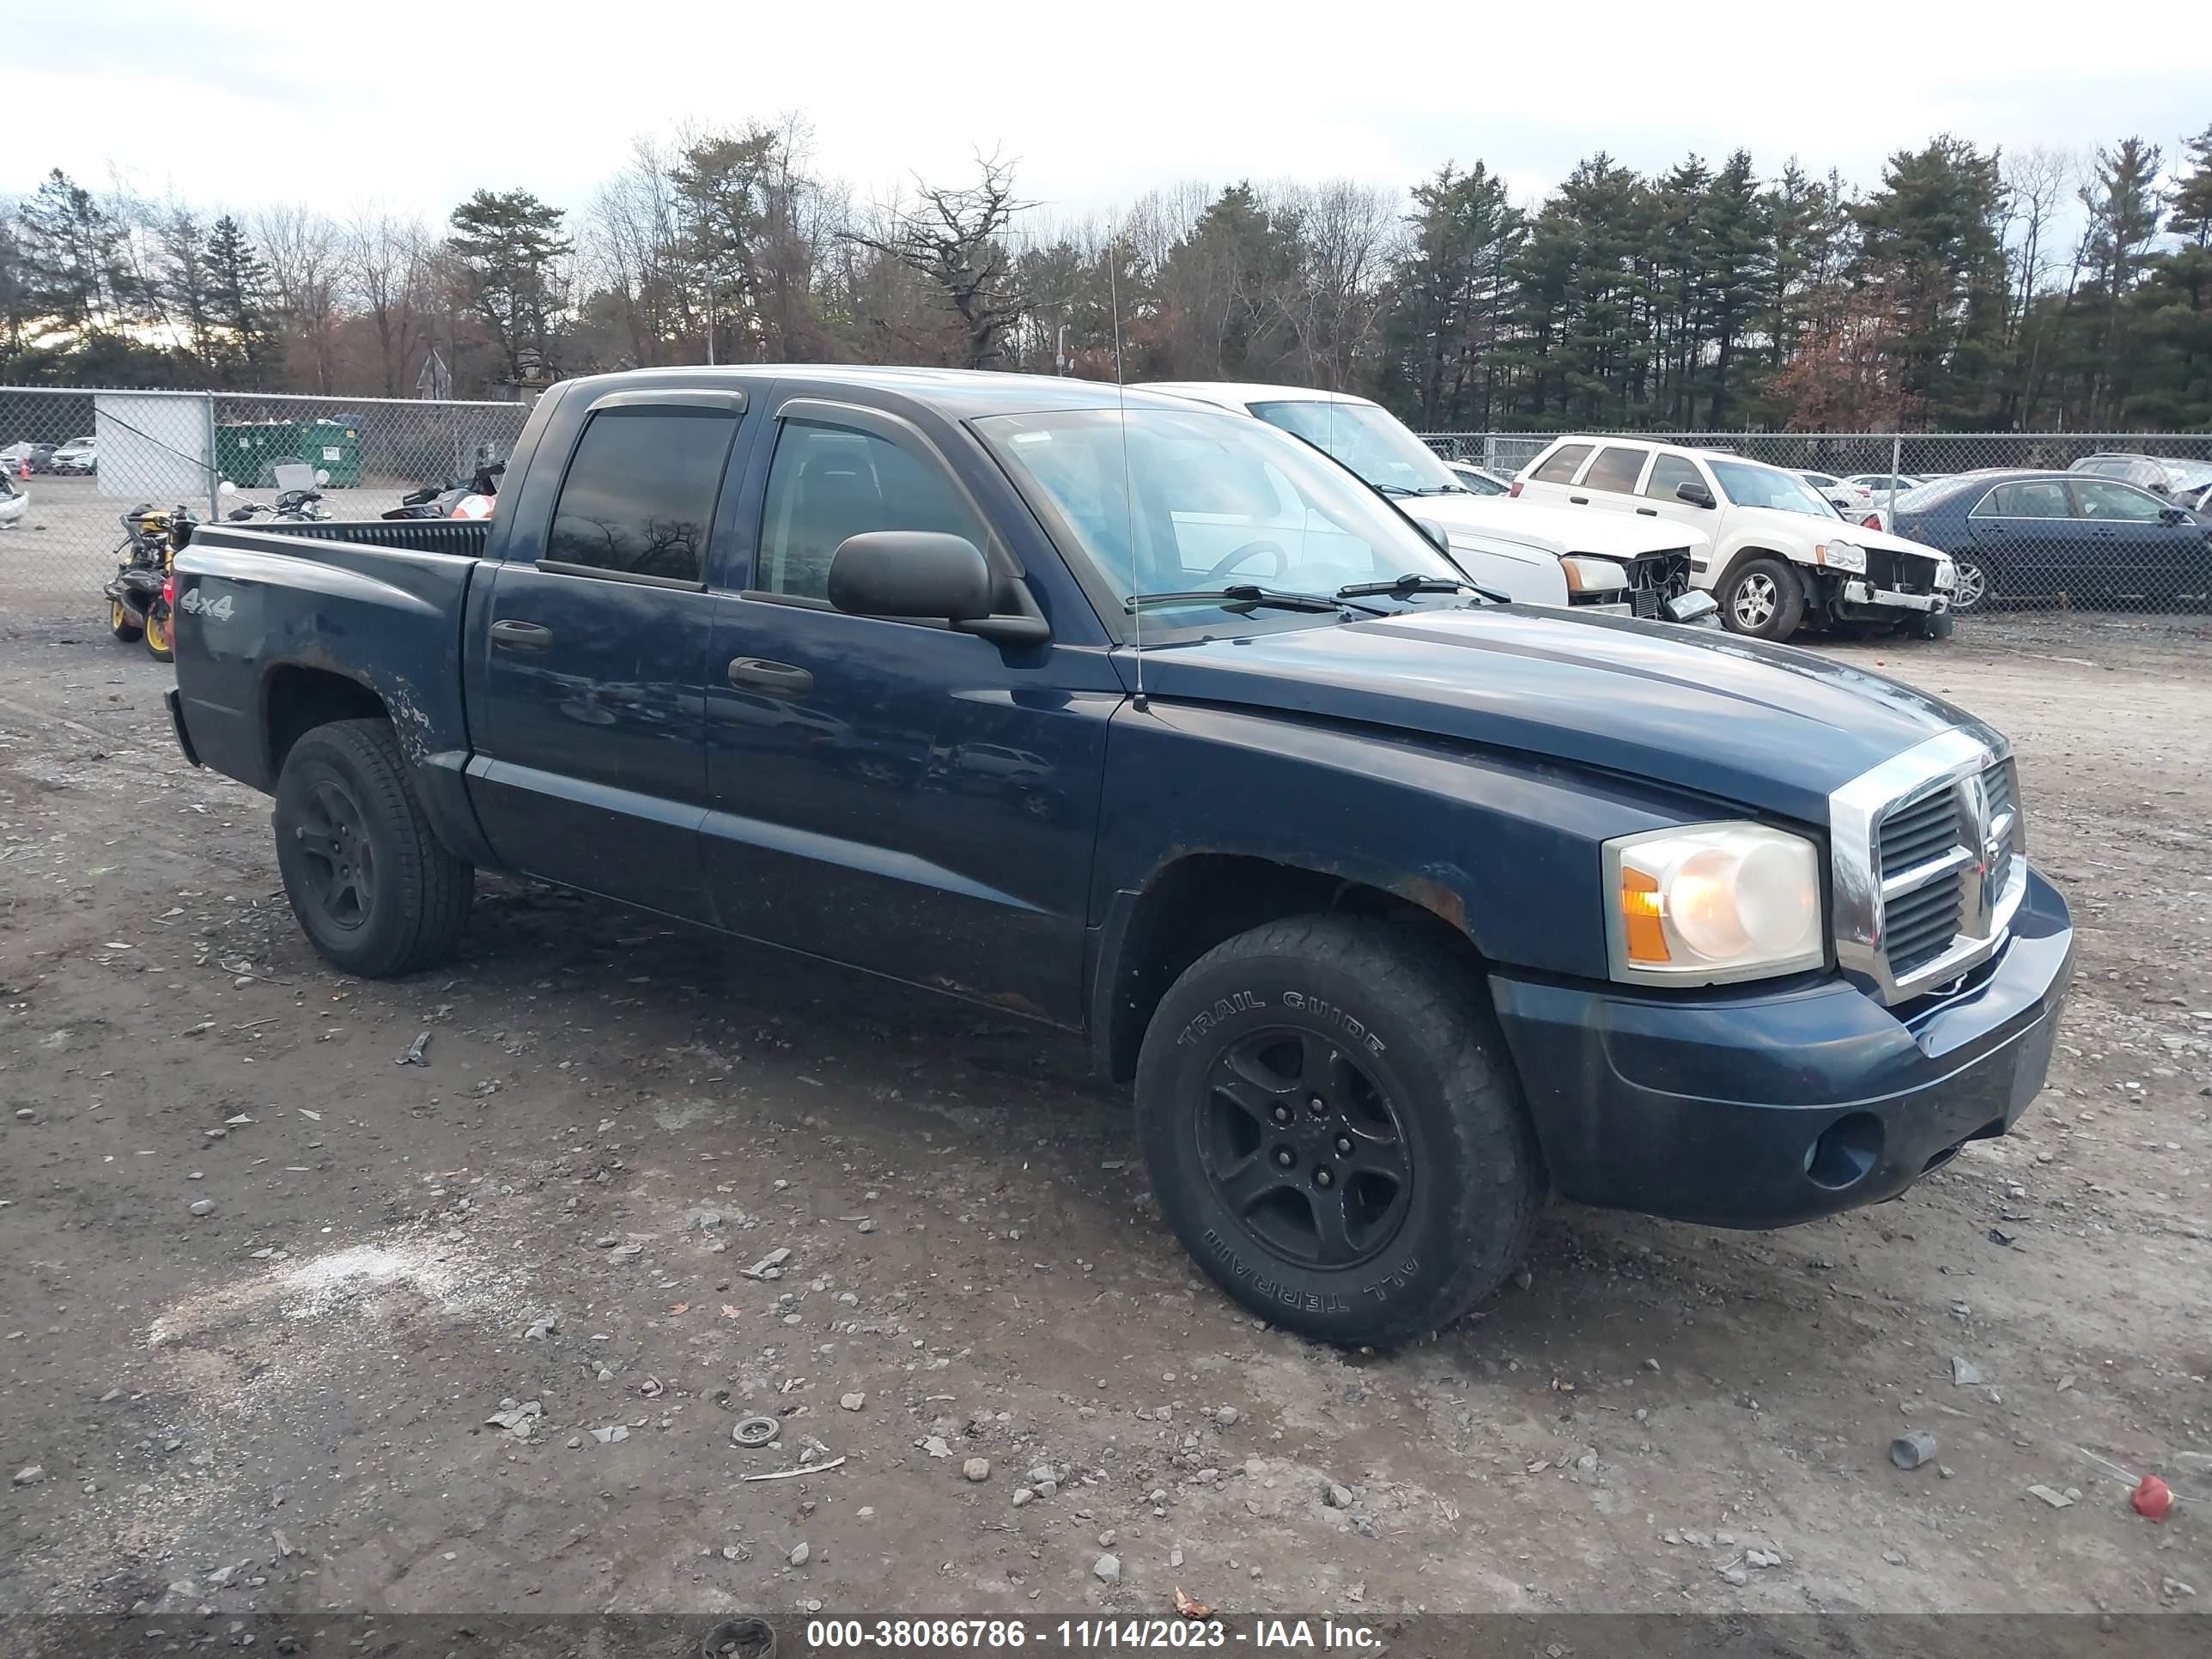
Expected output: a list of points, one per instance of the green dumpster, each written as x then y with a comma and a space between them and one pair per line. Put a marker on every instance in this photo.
248, 453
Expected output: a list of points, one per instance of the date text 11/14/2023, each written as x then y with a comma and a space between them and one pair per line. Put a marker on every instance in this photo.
933, 1636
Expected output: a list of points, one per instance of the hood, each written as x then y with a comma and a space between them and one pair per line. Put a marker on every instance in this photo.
1764, 726
1859, 536
1597, 531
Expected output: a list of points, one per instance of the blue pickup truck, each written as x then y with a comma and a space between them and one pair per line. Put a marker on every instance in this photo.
1402, 908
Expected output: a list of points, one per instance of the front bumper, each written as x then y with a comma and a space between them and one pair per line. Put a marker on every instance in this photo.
1740, 1108
1856, 592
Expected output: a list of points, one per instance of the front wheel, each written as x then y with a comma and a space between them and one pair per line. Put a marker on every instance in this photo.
1334, 1131
1764, 598
158, 640
120, 625
371, 886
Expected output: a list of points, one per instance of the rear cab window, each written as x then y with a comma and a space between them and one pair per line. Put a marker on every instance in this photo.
1562, 464
638, 499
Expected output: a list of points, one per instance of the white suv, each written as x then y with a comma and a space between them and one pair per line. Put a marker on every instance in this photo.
1620, 567
1782, 558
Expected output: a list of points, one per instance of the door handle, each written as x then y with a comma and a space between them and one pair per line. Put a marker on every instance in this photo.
778, 679
521, 636
1647, 511
1579, 501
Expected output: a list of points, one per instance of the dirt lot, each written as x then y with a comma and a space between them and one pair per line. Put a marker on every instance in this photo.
282, 1405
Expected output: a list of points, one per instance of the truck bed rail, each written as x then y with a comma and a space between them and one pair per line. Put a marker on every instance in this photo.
464, 538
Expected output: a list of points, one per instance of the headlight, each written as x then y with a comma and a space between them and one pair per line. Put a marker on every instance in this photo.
1841, 556
1588, 575
1712, 903
1947, 574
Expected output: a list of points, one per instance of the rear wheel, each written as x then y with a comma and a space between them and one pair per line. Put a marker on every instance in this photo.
1976, 588
120, 625
1334, 1131
372, 889
1764, 598
157, 633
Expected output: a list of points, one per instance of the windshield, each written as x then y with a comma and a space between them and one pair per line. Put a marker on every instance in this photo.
1213, 501
1746, 484
1371, 441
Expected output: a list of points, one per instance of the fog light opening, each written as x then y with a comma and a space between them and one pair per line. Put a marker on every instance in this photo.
1845, 1152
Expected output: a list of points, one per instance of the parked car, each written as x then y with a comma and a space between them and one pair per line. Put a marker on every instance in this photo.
18, 458
1842, 494
1477, 481
1781, 558
2021, 534
14, 501
1539, 558
79, 456
2162, 475
1401, 909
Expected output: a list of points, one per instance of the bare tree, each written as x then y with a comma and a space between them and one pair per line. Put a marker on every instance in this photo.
303, 248
955, 240
384, 261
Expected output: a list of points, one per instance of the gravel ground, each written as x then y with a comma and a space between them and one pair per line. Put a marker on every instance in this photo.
267, 1287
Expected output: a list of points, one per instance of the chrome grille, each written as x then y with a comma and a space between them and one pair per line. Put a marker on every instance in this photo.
1918, 927
1925, 864
1923, 830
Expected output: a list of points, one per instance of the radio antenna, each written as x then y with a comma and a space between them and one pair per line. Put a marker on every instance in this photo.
1128, 502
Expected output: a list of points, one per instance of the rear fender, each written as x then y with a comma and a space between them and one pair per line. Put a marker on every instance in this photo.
253, 604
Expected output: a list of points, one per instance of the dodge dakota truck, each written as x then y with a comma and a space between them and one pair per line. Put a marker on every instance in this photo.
1402, 909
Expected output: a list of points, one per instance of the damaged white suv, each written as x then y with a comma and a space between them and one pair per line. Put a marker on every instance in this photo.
1782, 558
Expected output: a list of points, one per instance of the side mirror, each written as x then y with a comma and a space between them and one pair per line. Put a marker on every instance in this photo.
226, 487
2172, 515
1436, 534
322, 475
1694, 493
920, 574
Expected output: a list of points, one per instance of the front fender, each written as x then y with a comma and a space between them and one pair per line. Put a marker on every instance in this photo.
1503, 846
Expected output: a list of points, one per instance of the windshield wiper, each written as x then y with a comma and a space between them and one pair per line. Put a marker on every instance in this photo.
1251, 593
1412, 582
1390, 490
1443, 489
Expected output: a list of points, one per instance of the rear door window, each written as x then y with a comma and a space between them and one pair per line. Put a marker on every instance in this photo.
2029, 499
1563, 464
639, 496
1617, 468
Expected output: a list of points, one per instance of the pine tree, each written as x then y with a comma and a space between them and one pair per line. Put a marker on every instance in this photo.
510, 245
237, 303
76, 280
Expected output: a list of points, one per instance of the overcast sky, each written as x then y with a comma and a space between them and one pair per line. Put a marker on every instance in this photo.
415, 104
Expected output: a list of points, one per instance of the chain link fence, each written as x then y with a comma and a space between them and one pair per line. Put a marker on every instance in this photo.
2113, 523
73, 463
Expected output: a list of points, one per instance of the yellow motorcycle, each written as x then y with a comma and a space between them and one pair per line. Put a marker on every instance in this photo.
141, 597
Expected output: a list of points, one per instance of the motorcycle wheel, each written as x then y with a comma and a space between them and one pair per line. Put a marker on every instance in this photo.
119, 624
158, 640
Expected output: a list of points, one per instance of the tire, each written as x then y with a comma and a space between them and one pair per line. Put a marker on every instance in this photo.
1937, 627
372, 889
159, 641
1976, 588
120, 625
1399, 1044
1763, 600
